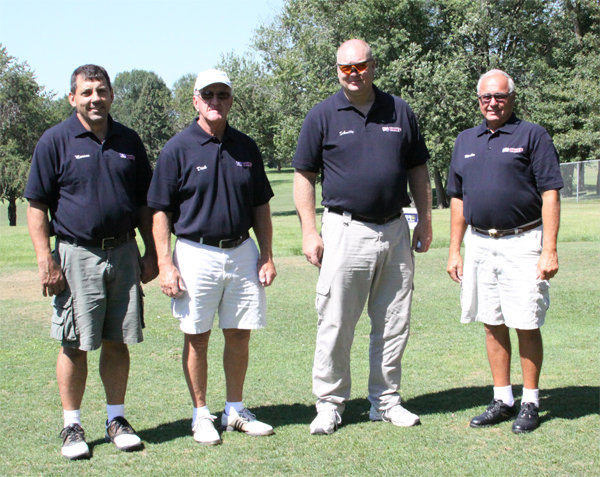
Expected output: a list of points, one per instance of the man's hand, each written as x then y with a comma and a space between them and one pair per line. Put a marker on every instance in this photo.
312, 247
148, 267
171, 282
547, 265
51, 276
455, 267
422, 237
266, 271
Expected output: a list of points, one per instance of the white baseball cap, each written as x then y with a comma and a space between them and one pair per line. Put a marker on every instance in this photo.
209, 77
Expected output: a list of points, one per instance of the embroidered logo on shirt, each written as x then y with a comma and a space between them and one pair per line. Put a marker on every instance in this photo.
81, 156
469, 155
126, 156
243, 164
512, 149
391, 129
201, 168
343, 133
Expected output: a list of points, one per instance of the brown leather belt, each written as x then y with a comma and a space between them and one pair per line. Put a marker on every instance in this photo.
503, 233
220, 243
361, 218
105, 243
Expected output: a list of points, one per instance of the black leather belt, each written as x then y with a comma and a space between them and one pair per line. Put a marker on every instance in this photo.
105, 243
361, 218
503, 233
223, 243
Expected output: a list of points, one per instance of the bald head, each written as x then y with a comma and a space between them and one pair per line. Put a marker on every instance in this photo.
353, 49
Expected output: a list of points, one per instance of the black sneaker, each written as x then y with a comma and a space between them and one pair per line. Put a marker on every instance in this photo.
496, 412
527, 420
74, 445
122, 435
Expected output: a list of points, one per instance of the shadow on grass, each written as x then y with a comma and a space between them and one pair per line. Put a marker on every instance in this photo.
571, 402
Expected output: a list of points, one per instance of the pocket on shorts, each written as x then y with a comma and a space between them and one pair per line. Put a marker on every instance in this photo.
64, 327
141, 304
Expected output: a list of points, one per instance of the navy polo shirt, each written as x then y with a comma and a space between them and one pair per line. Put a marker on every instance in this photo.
210, 187
93, 189
363, 159
500, 176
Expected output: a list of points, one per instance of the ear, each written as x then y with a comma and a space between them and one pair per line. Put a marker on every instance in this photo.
72, 99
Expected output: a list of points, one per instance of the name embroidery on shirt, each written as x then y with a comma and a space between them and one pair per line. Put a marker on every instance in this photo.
243, 164
343, 133
81, 156
126, 156
469, 155
201, 168
512, 149
391, 129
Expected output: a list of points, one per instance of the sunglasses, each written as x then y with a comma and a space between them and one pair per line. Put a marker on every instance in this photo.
359, 67
499, 97
207, 94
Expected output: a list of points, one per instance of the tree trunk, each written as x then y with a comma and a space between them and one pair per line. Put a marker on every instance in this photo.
440, 191
12, 211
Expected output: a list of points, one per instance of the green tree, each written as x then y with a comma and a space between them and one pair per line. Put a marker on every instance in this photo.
143, 103
25, 112
183, 107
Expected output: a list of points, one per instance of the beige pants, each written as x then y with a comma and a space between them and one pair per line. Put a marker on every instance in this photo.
361, 262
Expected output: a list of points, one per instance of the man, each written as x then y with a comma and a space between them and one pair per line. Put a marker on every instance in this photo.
92, 174
367, 145
210, 187
504, 182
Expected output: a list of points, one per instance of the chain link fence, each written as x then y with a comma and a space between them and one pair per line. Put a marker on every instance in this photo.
582, 180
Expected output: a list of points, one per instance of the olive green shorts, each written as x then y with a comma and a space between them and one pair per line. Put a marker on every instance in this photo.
103, 298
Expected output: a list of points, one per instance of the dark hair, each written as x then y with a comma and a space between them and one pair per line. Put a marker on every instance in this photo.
89, 72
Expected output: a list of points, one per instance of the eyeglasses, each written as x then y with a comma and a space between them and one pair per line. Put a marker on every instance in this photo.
207, 94
359, 67
499, 97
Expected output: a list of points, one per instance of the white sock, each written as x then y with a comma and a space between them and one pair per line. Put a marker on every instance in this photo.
115, 410
71, 417
199, 411
238, 406
531, 395
504, 394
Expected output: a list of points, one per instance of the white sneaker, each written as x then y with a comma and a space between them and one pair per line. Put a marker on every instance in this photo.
397, 415
205, 432
245, 421
326, 422
122, 435
74, 445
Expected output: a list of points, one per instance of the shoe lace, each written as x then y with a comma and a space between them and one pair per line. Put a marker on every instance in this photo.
528, 409
247, 415
119, 425
201, 419
73, 433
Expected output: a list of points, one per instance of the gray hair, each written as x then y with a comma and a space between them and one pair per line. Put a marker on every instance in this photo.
511, 83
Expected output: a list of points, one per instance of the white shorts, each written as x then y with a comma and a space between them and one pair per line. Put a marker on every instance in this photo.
499, 284
219, 280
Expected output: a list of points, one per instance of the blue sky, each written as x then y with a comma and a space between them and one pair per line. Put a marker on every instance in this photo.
169, 37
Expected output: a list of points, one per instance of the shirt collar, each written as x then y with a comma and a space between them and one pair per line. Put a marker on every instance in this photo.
341, 102
508, 127
78, 130
203, 137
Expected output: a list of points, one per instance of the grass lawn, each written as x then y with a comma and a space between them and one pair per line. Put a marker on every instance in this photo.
446, 379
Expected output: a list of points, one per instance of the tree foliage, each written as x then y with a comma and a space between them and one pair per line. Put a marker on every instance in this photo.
432, 53
143, 103
429, 52
25, 113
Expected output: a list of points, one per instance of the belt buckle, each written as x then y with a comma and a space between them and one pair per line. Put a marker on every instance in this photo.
104, 246
494, 233
222, 242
